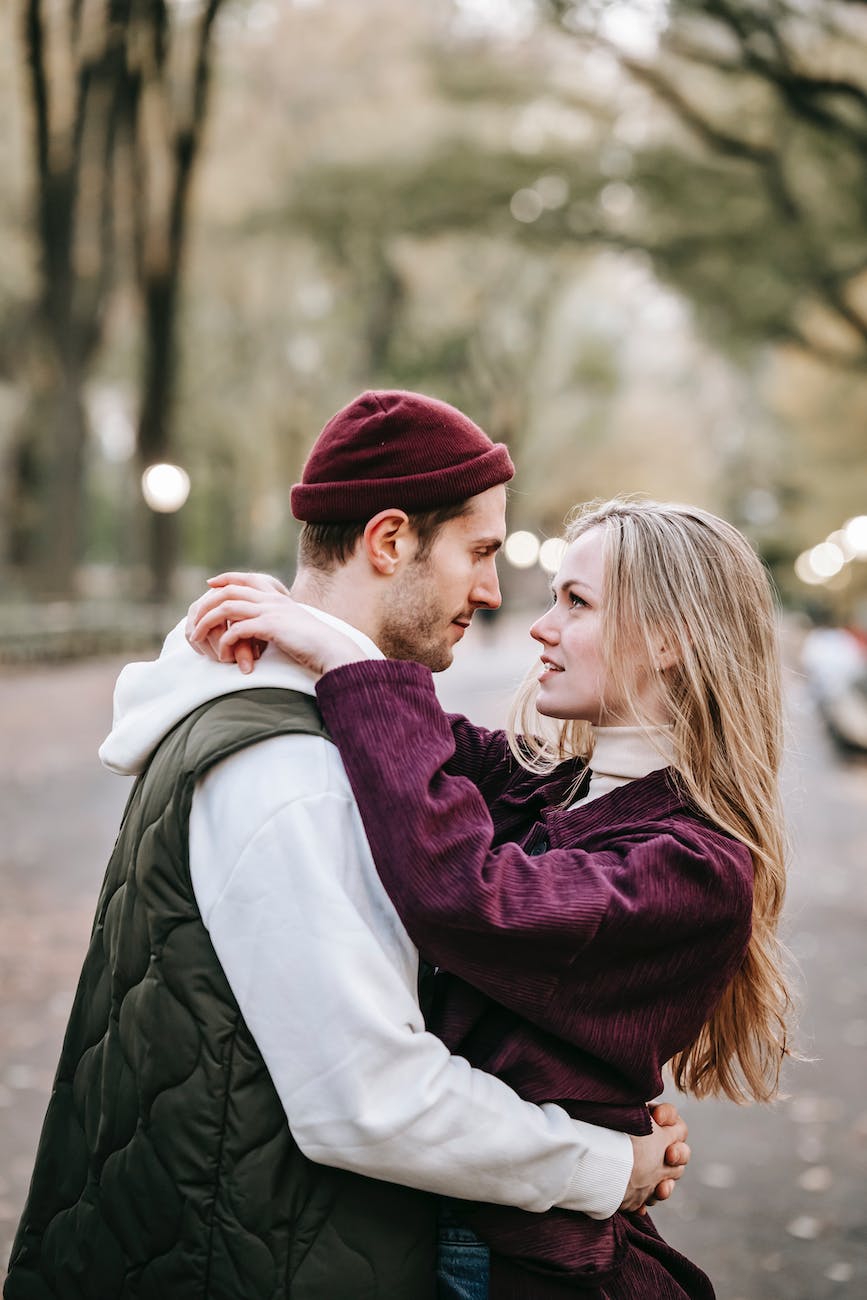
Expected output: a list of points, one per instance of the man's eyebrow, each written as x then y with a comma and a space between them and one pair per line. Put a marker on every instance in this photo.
490, 543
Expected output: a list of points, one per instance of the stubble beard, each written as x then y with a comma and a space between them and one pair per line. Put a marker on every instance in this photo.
415, 622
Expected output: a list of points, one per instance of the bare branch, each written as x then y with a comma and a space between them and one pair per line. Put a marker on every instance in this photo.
720, 140
847, 362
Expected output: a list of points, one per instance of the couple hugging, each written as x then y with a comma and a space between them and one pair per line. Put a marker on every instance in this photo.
376, 999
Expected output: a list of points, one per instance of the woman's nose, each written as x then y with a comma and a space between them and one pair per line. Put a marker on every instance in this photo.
544, 629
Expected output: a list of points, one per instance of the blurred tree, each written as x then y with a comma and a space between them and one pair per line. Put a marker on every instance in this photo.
118, 94
391, 198
757, 208
723, 140
435, 189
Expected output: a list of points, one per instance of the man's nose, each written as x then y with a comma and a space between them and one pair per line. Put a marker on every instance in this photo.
486, 592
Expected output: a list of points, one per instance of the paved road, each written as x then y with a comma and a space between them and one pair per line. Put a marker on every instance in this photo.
774, 1207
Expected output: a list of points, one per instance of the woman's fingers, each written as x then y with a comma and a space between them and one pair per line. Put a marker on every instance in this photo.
260, 581
237, 612
205, 604
678, 1154
227, 611
210, 615
200, 625
245, 655
207, 619
244, 630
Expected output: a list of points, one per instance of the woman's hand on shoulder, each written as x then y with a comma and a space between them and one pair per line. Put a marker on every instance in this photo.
244, 653
245, 611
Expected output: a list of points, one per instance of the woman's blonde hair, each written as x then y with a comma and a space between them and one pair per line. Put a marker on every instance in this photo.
683, 573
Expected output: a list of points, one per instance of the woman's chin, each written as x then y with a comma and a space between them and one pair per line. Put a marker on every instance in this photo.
561, 711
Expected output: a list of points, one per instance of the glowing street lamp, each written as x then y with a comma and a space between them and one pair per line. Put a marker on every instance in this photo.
551, 553
840, 540
855, 532
805, 571
827, 559
522, 549
165, 488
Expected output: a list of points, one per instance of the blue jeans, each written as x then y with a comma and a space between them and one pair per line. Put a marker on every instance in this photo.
463, 1261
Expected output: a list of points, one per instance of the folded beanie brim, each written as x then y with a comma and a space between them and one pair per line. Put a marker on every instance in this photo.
351, 502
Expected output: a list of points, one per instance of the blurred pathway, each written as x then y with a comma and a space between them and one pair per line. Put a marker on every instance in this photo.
775, 1206
59, 811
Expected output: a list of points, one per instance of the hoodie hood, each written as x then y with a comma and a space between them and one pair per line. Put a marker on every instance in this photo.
151, 698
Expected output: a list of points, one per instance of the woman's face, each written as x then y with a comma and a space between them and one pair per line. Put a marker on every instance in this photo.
574, 682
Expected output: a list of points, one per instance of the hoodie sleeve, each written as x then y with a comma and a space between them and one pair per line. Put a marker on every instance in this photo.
325, 976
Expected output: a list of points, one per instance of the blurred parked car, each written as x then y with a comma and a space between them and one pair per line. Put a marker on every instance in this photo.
835, 662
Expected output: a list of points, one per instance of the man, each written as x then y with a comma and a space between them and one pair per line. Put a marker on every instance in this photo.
246, 967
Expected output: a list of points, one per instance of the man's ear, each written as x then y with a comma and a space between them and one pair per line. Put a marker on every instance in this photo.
388, 538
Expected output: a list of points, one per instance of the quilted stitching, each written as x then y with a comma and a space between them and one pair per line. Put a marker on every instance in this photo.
166, 1167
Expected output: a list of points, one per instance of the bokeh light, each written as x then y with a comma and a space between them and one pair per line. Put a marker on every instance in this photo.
165, 487
551, 553
826, 559
855, 531
526, 206
805, 572
522, 549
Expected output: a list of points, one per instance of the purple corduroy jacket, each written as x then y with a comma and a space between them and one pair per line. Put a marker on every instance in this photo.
585, 947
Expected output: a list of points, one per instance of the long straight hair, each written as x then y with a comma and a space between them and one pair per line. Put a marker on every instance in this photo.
683, 573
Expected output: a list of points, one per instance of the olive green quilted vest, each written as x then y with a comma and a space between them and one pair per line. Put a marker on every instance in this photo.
166, 1169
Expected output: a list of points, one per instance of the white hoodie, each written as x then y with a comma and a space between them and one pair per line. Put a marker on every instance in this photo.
326, 975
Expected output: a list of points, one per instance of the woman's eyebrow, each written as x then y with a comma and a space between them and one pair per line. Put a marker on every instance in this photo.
573, 582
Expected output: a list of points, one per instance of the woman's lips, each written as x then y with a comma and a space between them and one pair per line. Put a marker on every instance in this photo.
549, 669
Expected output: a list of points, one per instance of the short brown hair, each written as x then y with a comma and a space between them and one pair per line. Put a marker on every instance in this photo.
326, 546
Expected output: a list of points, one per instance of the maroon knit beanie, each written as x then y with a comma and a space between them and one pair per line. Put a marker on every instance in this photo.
396, 449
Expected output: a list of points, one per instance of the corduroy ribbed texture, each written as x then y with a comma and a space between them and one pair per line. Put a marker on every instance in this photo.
393, 448
585, 946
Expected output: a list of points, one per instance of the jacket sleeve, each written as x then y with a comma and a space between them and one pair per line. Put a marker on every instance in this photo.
485, 912
481, 755
325, 977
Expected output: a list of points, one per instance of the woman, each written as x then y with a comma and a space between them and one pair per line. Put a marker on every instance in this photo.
602, 889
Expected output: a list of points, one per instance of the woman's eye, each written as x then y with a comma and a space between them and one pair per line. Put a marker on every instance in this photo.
575, 601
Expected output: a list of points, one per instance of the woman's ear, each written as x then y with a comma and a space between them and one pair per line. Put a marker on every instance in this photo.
667, 655
664, 645
386, 540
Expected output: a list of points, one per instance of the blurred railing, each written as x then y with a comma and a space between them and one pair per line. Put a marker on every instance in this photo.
62, 630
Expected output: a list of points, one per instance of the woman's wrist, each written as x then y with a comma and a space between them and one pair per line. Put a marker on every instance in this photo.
341, 657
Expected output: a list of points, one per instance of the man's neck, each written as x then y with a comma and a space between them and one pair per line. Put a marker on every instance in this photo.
337, 594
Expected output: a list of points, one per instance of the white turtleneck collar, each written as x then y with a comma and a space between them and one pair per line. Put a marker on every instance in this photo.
623, 754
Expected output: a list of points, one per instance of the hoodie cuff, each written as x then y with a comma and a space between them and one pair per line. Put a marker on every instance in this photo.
602, 1175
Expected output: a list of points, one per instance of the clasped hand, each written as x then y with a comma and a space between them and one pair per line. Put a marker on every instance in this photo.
659, 1159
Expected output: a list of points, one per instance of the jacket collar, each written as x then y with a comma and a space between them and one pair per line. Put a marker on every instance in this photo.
649, 798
